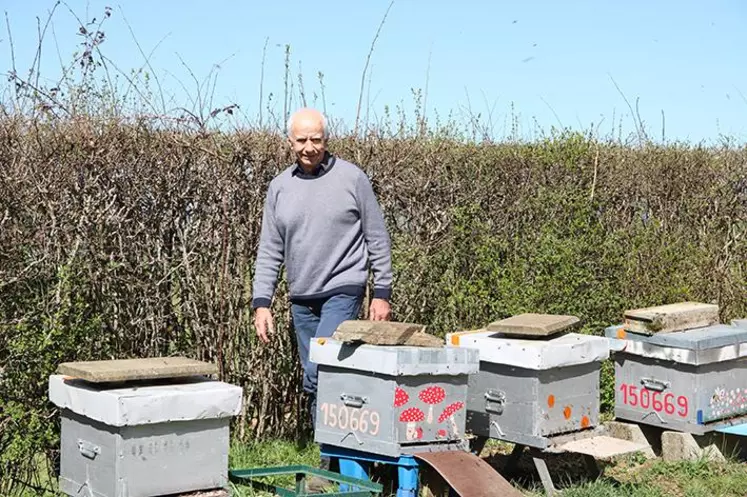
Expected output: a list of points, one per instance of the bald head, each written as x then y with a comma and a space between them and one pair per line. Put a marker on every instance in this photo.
307, 136
307, 117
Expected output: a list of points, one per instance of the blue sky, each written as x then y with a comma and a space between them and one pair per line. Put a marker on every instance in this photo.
549, 62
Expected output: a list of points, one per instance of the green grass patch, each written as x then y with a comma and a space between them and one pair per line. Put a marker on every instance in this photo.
268, 454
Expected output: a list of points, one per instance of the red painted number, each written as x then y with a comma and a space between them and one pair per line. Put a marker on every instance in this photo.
649, 399
343, 417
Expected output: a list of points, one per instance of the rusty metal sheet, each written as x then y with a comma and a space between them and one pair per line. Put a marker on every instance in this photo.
468, 474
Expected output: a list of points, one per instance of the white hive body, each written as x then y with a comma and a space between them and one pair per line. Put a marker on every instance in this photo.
528, 390
145, 440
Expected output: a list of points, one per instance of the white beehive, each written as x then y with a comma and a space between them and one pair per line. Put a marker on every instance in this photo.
145, 440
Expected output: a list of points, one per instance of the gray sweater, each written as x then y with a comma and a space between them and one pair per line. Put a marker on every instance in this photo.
327, 228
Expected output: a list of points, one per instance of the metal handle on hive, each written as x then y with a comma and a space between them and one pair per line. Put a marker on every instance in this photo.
654, 384
353, 400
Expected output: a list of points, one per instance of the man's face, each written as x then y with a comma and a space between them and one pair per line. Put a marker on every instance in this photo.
307, 141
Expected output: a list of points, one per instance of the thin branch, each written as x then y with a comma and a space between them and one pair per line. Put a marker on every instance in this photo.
40, 32
147, 58
262, 79
425, 93
365, 68
557, 118
632, 112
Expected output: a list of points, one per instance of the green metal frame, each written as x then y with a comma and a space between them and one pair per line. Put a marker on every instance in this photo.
366, 488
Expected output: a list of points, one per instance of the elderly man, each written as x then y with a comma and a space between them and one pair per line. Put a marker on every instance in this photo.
321, 218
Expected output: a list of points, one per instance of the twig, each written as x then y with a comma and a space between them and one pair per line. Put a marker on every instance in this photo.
41, 33
365, 68
632, 112
262, 79
300, 85
425, 93
557, 118
596, 168
147, 58
286, 100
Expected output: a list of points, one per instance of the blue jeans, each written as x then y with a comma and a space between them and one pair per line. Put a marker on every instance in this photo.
319, 318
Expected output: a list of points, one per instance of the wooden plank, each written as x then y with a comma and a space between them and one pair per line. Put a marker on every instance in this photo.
670, 317
385, 333
136, 369
533, 325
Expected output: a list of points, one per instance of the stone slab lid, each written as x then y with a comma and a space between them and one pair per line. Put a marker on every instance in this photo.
394, 360
533, 325
151, 368
562, 351
190, 399
670, 318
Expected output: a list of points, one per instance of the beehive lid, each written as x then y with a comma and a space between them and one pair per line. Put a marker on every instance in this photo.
562, 351
188, 399
532, 325
697, 339
670, 318
394, 360
151, 368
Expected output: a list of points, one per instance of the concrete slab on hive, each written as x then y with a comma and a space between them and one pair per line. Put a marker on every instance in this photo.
601, 447
533, 325
385, 333
151, 368
670, 317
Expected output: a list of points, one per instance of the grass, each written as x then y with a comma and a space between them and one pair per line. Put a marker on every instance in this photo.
628, 477
272, 453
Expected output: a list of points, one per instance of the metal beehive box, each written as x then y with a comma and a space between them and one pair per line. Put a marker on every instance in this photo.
693, 380
391, 400
529, 390
143, 441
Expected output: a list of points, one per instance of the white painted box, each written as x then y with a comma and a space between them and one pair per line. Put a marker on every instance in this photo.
143, 441
528, 390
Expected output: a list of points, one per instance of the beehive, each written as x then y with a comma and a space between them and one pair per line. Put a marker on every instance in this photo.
391, 400
143, 440
528, 390
692, 380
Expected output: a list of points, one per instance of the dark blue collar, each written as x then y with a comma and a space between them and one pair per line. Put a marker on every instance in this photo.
320, 170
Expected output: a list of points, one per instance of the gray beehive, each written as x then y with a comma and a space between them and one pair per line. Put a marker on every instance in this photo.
391, 400
692, 380
146, 440
529, 390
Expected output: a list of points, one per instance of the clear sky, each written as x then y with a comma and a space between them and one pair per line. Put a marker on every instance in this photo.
550, 62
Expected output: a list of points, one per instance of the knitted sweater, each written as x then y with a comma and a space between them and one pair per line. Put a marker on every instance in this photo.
327, 228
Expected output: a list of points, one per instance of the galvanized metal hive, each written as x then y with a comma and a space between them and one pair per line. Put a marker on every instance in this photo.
529, 390
145, 439
694, 380
391, 400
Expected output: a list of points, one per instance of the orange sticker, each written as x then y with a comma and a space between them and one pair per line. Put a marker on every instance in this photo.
455, 339
567, 412
585, 422
621, 333
551, 400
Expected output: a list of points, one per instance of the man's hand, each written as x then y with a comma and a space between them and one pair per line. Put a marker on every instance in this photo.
380, 310
263, 323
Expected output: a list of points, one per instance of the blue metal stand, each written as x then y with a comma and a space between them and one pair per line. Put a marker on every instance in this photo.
356, 464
